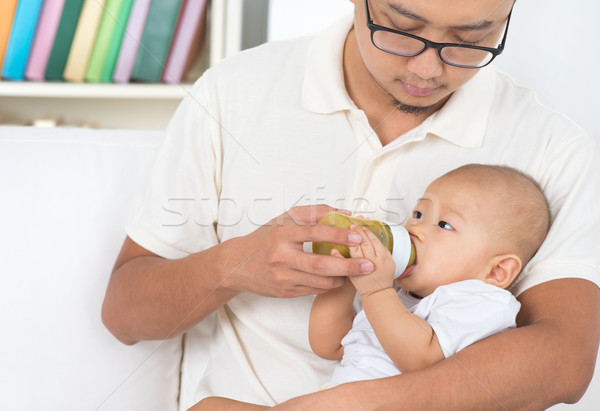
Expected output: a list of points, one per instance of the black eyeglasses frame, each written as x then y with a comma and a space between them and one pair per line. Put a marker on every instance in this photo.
432, 44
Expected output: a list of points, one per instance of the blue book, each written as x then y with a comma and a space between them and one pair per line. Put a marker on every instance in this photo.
21, 37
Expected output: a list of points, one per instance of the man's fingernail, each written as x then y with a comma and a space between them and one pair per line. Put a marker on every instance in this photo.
366, 267
354, 238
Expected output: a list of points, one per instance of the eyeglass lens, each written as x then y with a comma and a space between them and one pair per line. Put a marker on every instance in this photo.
399, 44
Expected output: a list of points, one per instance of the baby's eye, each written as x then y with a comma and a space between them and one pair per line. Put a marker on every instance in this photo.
445, 225
417, 215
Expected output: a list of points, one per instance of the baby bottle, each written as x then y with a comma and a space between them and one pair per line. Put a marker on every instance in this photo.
395, 238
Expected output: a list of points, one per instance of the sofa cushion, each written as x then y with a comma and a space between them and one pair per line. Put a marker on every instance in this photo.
65, 198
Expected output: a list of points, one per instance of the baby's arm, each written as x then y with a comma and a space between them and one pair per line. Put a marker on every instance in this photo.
406, 338
331, 318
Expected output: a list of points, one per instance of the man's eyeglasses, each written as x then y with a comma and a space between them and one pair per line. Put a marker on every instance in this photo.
408, 45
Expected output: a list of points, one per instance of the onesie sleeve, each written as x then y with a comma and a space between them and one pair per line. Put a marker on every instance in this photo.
465, 312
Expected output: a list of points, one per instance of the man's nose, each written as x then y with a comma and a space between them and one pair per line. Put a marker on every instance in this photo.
426, 65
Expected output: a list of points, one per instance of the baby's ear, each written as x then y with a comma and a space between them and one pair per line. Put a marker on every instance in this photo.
504, 270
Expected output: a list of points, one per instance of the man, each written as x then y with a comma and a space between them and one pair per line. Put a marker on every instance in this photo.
361, 117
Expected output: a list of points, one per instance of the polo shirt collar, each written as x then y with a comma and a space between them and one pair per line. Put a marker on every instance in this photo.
462, 120
323, 89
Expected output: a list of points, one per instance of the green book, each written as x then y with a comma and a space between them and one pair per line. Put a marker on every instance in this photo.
63, 39
156, 40
116, 39
108, 22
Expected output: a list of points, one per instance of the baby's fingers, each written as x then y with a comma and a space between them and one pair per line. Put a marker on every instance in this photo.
366, 245
336, 253
374, 241
357, 251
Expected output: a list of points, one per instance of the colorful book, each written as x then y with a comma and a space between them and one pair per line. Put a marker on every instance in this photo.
63, 40
20, 39
107, 25
83, 40
131, 41
156, 40
7, 13
188, 38
43, 40
115, 42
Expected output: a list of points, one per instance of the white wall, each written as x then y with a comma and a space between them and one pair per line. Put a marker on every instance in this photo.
287, 18
550, 47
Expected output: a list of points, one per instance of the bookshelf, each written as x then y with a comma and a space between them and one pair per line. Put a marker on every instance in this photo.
232, 25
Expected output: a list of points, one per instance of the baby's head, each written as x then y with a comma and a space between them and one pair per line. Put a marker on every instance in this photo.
476, 222
517, 211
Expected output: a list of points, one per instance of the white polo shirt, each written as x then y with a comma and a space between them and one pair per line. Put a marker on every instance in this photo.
274, 127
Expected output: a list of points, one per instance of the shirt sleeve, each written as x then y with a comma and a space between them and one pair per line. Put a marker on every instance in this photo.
465, 312
175, 213
569, 175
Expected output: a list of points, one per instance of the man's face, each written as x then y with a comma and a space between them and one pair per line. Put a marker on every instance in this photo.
425, 81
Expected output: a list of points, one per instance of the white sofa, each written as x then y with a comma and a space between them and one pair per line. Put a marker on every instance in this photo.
65, 196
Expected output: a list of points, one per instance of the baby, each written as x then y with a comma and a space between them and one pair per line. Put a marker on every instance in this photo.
474, 229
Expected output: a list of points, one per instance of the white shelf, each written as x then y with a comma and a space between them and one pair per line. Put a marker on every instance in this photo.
87, 90
131, 106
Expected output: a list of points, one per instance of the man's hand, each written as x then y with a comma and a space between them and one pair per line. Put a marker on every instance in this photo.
372, 249
149, 297
271, 262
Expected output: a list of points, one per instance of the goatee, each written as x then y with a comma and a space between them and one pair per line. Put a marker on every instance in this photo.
414, 110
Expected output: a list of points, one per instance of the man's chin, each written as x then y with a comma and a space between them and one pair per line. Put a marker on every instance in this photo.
413, 110
407, 107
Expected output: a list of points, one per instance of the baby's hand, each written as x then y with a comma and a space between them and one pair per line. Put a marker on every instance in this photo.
371, 248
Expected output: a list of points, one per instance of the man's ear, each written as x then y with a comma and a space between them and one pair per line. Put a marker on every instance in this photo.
504, 270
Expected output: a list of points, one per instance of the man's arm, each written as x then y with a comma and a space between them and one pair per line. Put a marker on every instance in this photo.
149, 297
331, 317
549, 358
